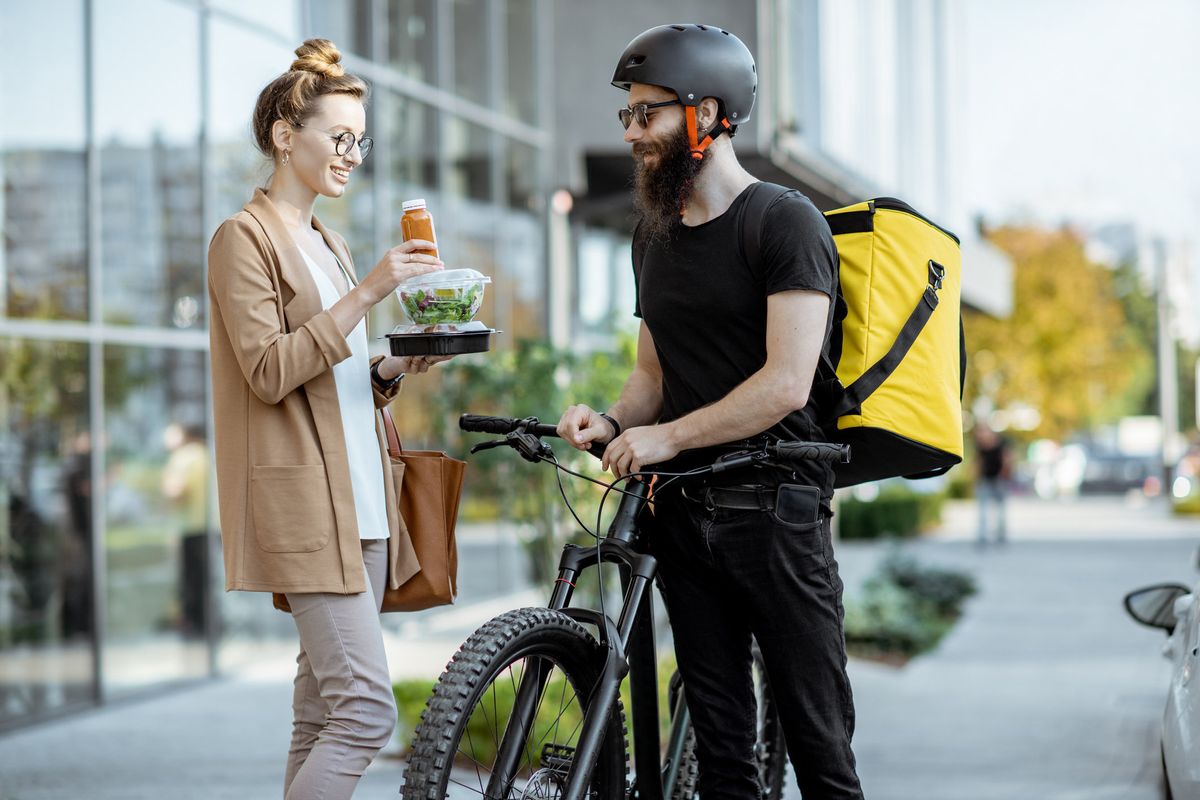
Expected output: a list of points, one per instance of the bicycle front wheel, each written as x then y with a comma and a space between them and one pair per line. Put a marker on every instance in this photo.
505, 716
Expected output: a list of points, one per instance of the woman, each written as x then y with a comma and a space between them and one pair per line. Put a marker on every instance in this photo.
307, 507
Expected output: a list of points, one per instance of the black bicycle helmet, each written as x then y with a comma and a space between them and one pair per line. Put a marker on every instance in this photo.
695, 62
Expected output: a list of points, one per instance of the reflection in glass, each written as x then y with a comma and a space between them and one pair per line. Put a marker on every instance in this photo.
413, 140
247, 63
521, 31
521, 173
43, 165
468, 147
471, 70
347, 23
280, 16
157, 546
520, 249
46, 619
151, 240
411, 38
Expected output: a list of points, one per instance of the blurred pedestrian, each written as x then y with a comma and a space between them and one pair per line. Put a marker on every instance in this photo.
993, 472
185, 486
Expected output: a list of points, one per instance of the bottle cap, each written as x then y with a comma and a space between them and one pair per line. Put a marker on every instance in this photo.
409, 205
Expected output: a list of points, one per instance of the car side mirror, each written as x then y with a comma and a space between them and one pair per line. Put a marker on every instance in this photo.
1155, 605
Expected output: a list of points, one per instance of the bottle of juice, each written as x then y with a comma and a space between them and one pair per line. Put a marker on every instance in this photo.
417, 223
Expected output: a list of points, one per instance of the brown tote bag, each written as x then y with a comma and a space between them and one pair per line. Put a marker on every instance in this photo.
428, 487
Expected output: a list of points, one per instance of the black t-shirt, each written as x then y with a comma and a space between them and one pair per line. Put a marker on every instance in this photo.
706, 309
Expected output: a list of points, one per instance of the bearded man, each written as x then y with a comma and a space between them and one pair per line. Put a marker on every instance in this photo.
727, 352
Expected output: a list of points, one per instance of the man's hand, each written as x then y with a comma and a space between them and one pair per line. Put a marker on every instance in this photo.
639, 447
580, 426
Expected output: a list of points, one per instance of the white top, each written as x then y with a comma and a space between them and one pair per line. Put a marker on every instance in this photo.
353, 379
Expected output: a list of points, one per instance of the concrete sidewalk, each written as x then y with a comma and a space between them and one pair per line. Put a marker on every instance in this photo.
1045, 691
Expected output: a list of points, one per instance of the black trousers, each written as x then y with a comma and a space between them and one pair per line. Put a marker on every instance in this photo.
726, 575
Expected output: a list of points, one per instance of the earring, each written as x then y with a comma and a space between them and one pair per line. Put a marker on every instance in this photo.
286, 155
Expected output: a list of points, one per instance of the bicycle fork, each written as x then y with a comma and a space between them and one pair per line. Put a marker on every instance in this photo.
634, 622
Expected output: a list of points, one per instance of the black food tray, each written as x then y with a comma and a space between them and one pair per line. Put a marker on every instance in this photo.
439, 344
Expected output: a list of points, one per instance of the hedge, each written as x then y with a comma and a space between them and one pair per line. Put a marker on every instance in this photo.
897, 512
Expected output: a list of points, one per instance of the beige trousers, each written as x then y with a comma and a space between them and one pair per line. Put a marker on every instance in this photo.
344, 710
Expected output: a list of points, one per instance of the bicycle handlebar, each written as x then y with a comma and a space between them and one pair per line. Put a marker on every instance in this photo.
812, 451
793, 452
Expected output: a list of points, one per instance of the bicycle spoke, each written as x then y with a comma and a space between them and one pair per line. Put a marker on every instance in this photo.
482, 793
558, 719
561, 706
483, 710
474, 752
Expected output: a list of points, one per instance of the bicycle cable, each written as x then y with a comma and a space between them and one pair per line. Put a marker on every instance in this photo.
609, 488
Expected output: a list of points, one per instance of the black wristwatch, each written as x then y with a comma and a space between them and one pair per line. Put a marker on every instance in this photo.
616, 426
380, 383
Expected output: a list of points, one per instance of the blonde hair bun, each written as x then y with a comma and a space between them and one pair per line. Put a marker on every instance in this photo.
320, 56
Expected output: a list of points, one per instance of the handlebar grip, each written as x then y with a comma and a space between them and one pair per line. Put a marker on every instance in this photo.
814, 451
476, 423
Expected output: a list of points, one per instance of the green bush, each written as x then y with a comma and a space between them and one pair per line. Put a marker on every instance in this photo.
561, 714
1186, 506
897, 512
905, 608
943, 590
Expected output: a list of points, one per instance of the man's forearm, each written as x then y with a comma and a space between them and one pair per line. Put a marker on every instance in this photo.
640, 402
755, 405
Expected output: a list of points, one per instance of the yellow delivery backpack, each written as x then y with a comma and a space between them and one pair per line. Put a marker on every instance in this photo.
891, 377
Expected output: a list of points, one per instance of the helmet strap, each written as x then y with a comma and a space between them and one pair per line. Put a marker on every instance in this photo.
698, 146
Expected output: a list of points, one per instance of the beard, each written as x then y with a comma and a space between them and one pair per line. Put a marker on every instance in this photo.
661, 190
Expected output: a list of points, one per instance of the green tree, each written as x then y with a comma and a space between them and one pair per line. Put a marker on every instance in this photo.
532, 379
1074, 347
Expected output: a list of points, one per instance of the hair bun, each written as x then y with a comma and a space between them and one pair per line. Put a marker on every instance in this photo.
320, 56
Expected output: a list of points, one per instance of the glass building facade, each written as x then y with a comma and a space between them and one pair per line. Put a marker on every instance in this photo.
120, 153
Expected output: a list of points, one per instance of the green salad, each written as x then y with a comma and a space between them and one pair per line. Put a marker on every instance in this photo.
442, 305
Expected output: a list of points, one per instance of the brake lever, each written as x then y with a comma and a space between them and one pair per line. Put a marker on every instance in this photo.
489, 445
736, 460
531, 448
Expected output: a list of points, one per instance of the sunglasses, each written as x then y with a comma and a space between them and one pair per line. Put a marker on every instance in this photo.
637, 112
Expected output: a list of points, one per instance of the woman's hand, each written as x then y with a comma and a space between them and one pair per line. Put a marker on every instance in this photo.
398, 265
392, 366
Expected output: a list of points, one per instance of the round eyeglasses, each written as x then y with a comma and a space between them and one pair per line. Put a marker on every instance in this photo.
345, 141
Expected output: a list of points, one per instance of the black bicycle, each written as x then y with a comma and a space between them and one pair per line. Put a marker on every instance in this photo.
530, 706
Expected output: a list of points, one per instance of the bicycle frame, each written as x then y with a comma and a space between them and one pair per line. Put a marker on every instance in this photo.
629, 640
631, 651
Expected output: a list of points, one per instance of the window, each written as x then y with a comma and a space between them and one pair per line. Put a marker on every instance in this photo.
43, 162
148, 131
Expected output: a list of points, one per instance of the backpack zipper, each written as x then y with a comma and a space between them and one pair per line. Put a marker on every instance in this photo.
892, 204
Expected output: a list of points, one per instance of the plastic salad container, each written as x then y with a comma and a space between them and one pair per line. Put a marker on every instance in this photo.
451, 297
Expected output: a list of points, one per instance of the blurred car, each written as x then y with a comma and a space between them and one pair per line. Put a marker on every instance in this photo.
1117, 473
1174, 608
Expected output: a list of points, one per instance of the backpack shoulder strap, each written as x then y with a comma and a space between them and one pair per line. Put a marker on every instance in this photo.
759, 199
752, 217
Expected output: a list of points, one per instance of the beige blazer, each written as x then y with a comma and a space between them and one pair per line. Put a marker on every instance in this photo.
287, 507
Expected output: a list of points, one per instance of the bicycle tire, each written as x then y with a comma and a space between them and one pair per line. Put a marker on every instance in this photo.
688, 774
770, 747
526, 635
